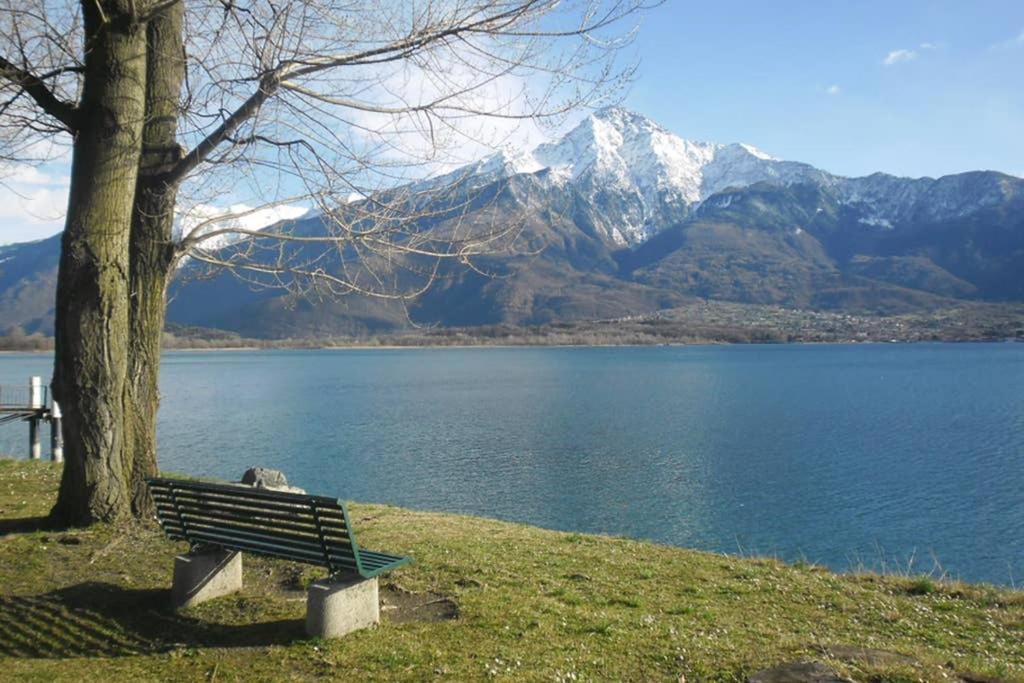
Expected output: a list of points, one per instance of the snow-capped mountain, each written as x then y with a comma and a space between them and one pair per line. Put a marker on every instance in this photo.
621, 154
646, 179
621, 217
654, 178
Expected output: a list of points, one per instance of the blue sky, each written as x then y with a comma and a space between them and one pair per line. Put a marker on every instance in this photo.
910, 87
763, 73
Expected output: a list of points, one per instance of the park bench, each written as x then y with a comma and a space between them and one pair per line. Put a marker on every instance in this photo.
220, 521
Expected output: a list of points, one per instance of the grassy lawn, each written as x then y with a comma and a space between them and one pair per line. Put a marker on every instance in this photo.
527, 604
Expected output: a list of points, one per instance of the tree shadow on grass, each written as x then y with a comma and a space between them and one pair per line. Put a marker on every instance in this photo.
103, 620
25, 525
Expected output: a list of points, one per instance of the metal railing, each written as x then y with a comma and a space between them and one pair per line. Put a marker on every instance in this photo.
30, 402
12, 396
31, 396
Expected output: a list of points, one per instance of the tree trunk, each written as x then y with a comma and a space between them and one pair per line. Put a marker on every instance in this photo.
150, 263
92, 317
152, 251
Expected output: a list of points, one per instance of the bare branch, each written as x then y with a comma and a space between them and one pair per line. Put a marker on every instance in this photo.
36, 88
344, 106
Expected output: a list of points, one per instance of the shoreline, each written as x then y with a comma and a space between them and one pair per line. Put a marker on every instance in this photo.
554, 345
701, 323
879, 566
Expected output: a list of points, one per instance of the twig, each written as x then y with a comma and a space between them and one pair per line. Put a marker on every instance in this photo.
105, 549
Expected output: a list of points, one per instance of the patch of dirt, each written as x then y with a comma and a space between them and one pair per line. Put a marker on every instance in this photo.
290, 578
400, 606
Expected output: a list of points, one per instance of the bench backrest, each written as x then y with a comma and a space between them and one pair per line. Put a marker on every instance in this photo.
291, 526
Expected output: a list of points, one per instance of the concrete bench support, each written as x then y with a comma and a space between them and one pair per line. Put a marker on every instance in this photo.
334, 608
205, 575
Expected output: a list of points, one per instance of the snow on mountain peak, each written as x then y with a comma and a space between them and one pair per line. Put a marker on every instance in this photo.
509, 161
618, 151
758, 153
653, 178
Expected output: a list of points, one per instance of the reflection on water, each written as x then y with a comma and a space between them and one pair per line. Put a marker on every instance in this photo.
836, 454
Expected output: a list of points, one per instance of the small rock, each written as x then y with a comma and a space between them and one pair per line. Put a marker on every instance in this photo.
798, 672
264, 478
272, 480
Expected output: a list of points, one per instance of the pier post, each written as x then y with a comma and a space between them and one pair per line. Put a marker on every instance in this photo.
35, 445
35, 390
56, 435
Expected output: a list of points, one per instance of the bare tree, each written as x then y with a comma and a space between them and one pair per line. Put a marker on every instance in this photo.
333, 104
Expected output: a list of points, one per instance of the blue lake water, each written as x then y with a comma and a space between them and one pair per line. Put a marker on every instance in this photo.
849, 456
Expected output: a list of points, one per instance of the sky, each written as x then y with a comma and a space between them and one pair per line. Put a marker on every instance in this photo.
908, 87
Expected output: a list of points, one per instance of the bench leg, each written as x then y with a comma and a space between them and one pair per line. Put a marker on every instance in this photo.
334, 608
205, 575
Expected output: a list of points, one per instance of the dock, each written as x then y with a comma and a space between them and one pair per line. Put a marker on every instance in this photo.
30, 403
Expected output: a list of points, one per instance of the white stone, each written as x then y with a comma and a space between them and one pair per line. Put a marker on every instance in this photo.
334, 608
205, 575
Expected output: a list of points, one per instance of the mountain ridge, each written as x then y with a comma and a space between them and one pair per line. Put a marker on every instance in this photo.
621, 217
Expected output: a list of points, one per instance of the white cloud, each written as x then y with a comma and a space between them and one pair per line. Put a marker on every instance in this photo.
484, 118
897, 56
833, 89
32, 202
1010, 44
23, 174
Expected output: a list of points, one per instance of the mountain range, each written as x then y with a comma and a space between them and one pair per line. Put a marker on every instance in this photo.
620, 218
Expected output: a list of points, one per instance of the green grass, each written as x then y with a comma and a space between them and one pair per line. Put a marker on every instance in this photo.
532, 605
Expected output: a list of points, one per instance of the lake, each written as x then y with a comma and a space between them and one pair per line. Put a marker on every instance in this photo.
873, 456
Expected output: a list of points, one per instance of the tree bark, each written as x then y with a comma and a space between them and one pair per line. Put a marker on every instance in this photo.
152, 250
92, 290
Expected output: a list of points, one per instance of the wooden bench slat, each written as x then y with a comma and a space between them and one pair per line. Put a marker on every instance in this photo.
240, 492
214, 536
377, 556
240, 498
244, 514
338, 535
285, 538
293, 516
210, 537
291, 537
239, 516
285, 519
384, 563
198, 527
269, 549
380, 559
225, 498
243, 489
372, 564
